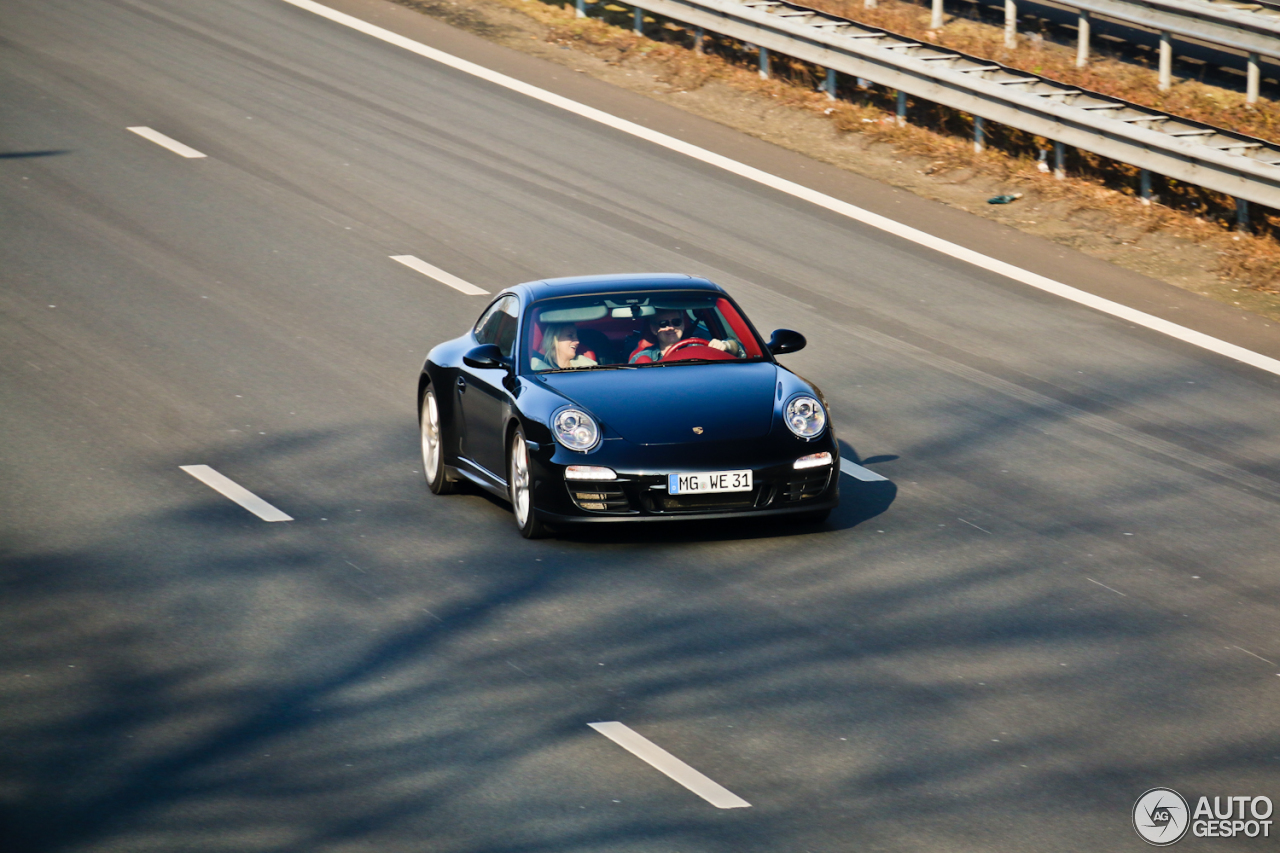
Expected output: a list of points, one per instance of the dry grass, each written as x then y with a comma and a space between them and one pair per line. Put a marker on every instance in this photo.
943, 136
1105, 74
1253, 260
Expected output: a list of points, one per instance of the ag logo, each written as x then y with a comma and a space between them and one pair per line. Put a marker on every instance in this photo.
1160, 816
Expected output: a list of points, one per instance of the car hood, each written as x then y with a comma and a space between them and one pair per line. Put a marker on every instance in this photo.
663, 405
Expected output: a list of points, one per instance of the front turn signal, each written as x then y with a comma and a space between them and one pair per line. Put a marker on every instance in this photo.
813, 460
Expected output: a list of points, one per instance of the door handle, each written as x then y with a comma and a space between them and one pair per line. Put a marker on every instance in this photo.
462, 384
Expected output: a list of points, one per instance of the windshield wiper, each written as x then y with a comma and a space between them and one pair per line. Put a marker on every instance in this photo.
592, 367
701, 361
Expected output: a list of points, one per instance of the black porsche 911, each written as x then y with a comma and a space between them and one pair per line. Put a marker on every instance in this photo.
626, 398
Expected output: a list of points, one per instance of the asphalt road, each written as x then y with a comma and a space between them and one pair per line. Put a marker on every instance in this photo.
1066, 593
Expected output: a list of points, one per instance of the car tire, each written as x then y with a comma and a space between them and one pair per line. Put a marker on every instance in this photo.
432, 436
520, 488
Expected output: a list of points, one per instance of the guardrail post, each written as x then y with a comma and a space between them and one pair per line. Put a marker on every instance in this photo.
935, 23
764, 63
1059, 160
639, 21
1242, 215
1144, 186
580, 10
979, 135
1082, 40
1010, 23
1166, 61
1255, 77
830, 85
697, 40
902, 108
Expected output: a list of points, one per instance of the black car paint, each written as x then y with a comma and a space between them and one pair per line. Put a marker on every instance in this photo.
722, 397
481, 406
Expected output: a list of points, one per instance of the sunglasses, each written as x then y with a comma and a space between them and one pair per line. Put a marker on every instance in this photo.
672, 323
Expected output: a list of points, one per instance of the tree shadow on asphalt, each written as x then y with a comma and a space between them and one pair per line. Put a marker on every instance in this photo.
23, 155
418, 677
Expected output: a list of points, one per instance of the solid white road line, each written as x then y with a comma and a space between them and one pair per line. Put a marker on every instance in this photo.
657, 757
238, 493
857, 472
906, 232
439, 275
172, 144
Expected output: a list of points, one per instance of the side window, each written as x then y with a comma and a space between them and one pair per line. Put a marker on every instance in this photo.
507, 327
489, 325
497, 325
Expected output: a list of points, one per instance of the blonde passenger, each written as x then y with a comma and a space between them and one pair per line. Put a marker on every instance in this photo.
560, 349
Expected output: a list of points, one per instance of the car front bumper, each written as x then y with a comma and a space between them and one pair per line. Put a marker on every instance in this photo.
640, 491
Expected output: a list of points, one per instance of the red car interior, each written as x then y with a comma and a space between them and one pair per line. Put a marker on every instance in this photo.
611, 340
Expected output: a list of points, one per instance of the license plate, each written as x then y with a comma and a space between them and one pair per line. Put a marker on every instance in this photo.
708, 483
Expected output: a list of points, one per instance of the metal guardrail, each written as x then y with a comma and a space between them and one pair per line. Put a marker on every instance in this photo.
1252, 28
1195, 153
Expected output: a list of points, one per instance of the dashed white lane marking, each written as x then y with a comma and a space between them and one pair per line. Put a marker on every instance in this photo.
172, 144
1104, 586
663, 761
439, 275
236, 492
875, 220
1251, 654
859, 473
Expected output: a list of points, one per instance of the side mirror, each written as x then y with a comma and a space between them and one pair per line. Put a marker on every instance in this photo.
485, 356
785, 341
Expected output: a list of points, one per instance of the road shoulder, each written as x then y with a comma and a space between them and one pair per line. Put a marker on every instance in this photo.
996, 239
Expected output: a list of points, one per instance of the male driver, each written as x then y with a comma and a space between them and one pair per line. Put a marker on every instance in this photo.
667, 327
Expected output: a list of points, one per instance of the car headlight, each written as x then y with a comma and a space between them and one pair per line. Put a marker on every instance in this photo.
575, 429
805, 416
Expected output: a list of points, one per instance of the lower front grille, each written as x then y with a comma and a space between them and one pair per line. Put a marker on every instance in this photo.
807, 484
599, 497
705, 503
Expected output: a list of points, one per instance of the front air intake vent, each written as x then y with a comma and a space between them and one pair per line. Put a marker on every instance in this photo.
599, 497
807, 484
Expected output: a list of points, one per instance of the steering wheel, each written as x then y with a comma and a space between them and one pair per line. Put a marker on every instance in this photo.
689, 344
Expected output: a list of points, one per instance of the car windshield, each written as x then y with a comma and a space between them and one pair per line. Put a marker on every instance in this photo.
634, 330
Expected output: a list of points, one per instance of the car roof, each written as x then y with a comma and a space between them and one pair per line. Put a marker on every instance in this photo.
620, 283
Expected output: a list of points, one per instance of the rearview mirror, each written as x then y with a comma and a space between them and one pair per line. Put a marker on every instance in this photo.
485, 356
785, 341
